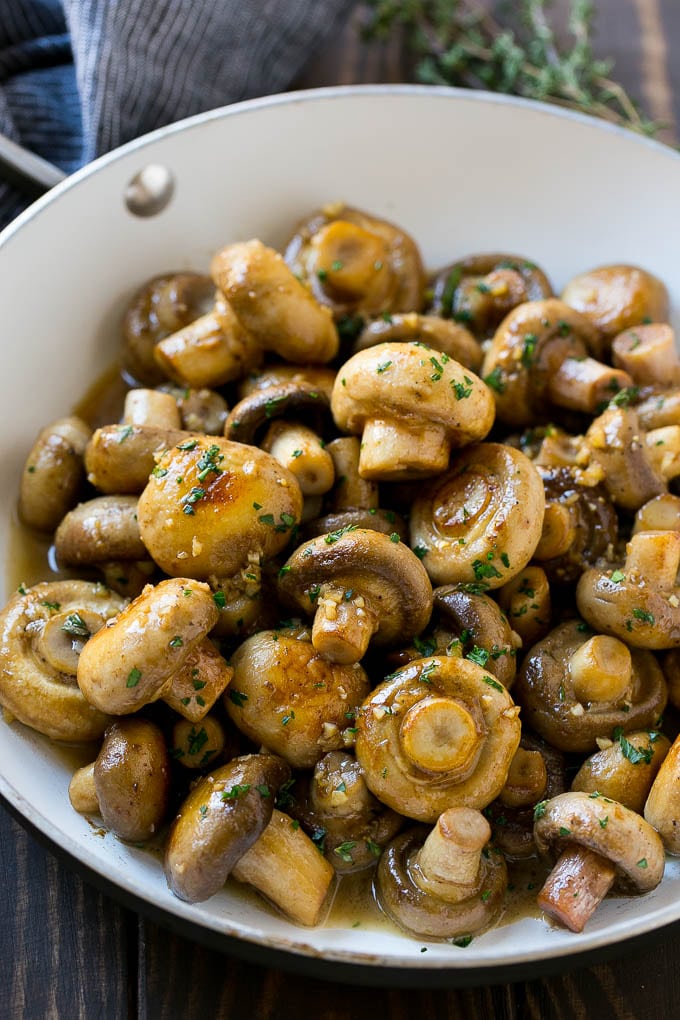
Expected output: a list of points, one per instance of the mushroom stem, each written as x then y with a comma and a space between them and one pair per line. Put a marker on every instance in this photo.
449, 860
342, 627
648, 354
527, 779
351, 490
655, 554
663, 449
584, 384
558, 532
662, 513
397, 449
440, 734
82, 792
301, 450
576, 886
151, 407
601, 669
63, 636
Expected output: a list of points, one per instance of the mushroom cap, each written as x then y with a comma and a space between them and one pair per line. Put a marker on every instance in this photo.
608, 829
101, 530
286, 399
615, 297
385, 572
631, 608
440, 334
482, 625
132, 778
662, 809
444, 285
411, 382
313, 377
210, 504
625, 775
616, 443
53, 473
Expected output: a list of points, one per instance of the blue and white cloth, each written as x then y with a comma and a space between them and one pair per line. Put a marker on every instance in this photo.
79, 77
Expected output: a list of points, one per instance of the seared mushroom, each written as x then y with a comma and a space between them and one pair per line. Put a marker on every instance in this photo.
412, 405
355, 263
481, 289
120, 458
574, 688
625, 767
649, 355
440, 334
361, 586
200, 680
210, 504
101, 530
151, 407
285, 696
317, 378
640, 602
129, 782
481, 629
53, 473
201, 410
660, 513
617, 443
540, 357
617, 297
479, 523
445, 884
436, 733
662, 809
197, 745
527, 603
597, 843
273, 305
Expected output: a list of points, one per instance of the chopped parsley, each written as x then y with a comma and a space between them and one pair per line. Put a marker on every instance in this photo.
134, 676
75, 626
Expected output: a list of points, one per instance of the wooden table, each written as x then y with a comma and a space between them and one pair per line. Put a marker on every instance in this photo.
68, 951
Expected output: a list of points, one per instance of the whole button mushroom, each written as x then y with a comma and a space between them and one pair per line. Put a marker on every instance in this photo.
211, 504
437, 733
597, 843
120, 458
481, 630
662, 808
362, 587
99, 531
440, 334
285, 696
527, 603
53, 473
575, 687
625, 768
129, 783
616, 297
617, 444
412, 405
445, 884
43, 631
540, 358
479, 523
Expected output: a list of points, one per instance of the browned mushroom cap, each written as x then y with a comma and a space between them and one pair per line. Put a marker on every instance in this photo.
599, 843
284, 696
273, 305
479, 522
343, 817
527, 603
162, 306
482, 630
617, 297
625, 768
355, 263
540, 357
439, 334
639, 603
412, 405
120, 458
201, 410
579, 527
211, 505
198, 745
662, 809
445, 884
481, 289
362, 586
436, 733
574, 688
649, 355
310, 377
617, 444
293, 400
220, 820
101, 530
53, 473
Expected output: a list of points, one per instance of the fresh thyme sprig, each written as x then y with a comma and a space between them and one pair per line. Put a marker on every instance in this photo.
456, 42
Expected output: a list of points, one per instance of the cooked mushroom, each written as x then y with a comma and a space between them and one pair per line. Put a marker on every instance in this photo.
201, 410
100, 530
597, 843
53, 473
440, 334
43, 630
129, 782
201, 679
445, 884
658, 408
120, 458
479, 523
527, 603
210, 504
640, 602
618, 444
437, 733
355, 263
624, 768
273, 305
649, 355
671, 670
482, 630
540, 357
317, 378
412, 405
575, 687
151, 407
130, 663
662, 809
197, 745
361, 586
285, 696
481, 289
617, 297
162, 306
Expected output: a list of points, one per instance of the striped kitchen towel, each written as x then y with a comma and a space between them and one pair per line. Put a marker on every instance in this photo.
80, 77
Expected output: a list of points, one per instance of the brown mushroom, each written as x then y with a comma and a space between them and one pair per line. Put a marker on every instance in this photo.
412, 405
196, 684
660, 513
617, 443
649, 355
151, 407
662, 809
53, 473
616, 297
98, 531
198, 745
575, 687
120, 458
527, 603
483, 632
201, 410
439, 334
317, 378
446, 884
597, 843
361, 586
624, 768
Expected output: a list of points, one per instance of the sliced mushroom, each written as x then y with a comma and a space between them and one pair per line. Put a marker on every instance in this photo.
53, 473
440, 334
625, 768
201, 679
616, 297
598, 843
362, 587
662, 809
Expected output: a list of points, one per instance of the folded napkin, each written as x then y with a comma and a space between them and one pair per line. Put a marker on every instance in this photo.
80, 77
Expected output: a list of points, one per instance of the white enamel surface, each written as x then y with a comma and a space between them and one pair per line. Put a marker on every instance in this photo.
463, 172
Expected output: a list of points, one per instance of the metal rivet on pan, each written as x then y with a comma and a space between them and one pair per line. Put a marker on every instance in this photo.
149, 191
